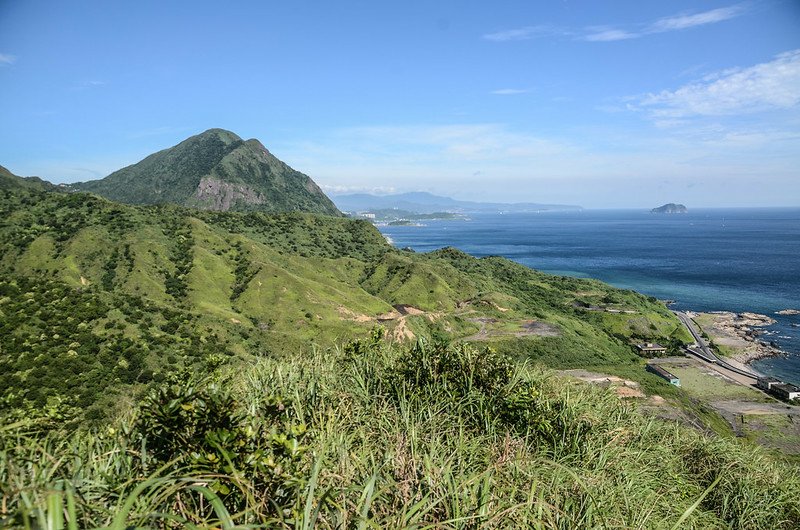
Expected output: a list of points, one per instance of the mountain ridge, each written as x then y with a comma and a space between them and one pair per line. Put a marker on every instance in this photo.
424, 202
10, 181
214, 170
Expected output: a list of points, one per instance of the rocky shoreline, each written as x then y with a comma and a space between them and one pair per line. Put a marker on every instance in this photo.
739, 333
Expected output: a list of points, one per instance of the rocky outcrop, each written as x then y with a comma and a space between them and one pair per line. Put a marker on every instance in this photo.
215, 194
741, 332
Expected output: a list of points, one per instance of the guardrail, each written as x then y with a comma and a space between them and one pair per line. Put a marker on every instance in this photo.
701, 355
723, 364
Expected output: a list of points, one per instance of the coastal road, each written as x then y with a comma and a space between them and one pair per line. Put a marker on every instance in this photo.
743, 376
698, 338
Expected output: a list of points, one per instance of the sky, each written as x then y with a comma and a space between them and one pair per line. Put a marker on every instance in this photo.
601, 104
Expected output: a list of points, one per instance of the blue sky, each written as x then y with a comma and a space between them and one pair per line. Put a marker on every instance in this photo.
603, 104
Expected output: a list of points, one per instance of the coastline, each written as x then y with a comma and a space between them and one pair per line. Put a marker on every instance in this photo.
738, 336
743, 264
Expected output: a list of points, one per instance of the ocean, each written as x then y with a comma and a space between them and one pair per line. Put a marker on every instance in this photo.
743, 259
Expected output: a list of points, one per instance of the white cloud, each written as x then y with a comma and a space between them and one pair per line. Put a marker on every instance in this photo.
457, 142
6, 58
679, 22
89, 84
389, 155
611, 34
605, 167
663, 25
525, 33
508, 91
766, 86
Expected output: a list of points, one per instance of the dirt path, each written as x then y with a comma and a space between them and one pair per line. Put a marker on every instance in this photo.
527, 328
401, 331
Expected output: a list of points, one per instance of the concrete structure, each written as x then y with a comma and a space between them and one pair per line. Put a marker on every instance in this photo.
663, 374
785, 391
778, 388
766, 383
651, 348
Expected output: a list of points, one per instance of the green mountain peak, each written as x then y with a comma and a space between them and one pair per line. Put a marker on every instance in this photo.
215, 170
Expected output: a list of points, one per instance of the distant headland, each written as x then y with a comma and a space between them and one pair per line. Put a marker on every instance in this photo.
670, 208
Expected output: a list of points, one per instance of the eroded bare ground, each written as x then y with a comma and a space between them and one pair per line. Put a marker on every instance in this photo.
399, 329
527, 328
536, 327
623, 388
346, 314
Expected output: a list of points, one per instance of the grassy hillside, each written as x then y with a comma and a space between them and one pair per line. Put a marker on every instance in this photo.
376, 436
168, 367
165, 287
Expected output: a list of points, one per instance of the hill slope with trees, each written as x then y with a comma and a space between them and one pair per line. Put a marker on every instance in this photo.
162, 366
214, 170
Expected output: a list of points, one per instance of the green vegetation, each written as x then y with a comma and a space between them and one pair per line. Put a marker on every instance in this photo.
710, 387
371, 435
10, 181
139, 291
168, 367
214, 170
770, 430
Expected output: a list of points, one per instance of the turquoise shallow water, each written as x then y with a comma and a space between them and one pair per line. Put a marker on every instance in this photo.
706, 260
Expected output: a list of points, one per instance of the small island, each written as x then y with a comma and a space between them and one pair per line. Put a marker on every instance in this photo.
670, 208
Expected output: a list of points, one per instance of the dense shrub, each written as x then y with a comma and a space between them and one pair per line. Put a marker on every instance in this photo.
202, 429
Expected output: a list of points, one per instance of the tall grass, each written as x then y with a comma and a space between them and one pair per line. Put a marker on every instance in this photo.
429, 437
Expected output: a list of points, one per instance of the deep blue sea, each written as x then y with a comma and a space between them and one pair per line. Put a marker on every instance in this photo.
706, 260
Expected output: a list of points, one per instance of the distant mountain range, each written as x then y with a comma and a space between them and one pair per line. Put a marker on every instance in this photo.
214, 170
423, 202
217, 170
